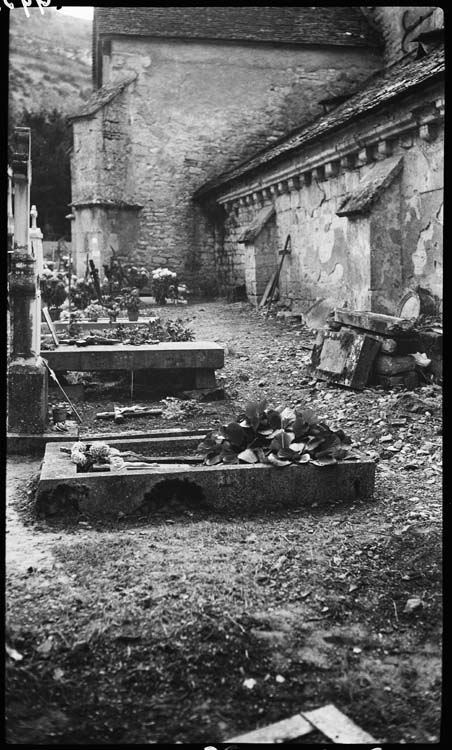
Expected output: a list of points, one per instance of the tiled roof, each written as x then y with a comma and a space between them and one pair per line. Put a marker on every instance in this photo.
370, 187
101, 97
285, 25
376, 91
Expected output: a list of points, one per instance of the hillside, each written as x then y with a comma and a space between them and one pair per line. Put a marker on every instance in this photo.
49, 61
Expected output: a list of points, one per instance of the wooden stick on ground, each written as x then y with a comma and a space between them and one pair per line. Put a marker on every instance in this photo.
286, 251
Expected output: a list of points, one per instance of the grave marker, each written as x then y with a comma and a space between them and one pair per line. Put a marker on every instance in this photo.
26, 375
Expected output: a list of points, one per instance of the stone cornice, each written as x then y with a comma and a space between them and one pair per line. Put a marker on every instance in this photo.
342, 150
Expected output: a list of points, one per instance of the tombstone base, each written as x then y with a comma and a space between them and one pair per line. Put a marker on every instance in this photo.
27, 396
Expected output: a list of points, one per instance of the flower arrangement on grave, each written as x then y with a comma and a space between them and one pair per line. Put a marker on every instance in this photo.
82, 292
113, 309
53, 291
278, 437
138, 277
73, 318
130, 301
86, 456
95, 311
164, 284
153, 332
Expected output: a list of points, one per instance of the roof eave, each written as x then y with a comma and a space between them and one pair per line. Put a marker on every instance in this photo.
206, 191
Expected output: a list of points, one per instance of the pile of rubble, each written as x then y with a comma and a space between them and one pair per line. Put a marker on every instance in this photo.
359, 348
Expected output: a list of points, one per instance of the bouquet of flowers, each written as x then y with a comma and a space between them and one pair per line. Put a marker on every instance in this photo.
95, 311
138, 277
82, 292
53, 288
163, 280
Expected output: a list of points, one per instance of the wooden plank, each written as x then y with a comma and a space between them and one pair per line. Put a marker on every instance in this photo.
268, 289
286, 251
287, 729
49, 321
344, 357
337, 726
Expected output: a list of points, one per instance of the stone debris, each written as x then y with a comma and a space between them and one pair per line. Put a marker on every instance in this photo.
357, 348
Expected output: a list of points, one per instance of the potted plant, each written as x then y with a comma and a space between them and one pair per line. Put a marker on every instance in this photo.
53, 292
59, 413
162, 281
113, 310
131, 302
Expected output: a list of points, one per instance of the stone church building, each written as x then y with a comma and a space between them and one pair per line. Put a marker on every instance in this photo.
215, 133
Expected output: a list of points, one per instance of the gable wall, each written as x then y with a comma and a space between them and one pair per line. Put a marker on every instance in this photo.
197, 109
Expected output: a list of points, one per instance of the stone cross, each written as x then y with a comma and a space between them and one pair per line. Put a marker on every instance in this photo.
36, 237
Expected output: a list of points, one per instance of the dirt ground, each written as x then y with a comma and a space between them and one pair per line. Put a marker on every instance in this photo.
150, 631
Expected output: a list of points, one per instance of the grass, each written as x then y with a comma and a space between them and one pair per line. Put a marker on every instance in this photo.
156, 629
142, 631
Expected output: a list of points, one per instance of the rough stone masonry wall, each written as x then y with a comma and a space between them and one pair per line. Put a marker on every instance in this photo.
102, 166
398, 25
367, 262
198, 109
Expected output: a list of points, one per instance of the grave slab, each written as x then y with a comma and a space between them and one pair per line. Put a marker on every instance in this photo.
61, 326
344, 357
223, 489
172, 355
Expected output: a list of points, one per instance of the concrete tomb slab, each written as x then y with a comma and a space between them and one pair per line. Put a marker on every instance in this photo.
166, 355
233, 488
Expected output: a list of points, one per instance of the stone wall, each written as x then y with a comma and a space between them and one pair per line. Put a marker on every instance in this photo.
195, 110
398, 25
102, 167
98, 229
367, 261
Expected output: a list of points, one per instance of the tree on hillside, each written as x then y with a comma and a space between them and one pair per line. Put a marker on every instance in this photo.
51, 179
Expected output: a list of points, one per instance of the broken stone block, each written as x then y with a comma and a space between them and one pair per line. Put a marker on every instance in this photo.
388, 325
385, 364
409, 380
344, 357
